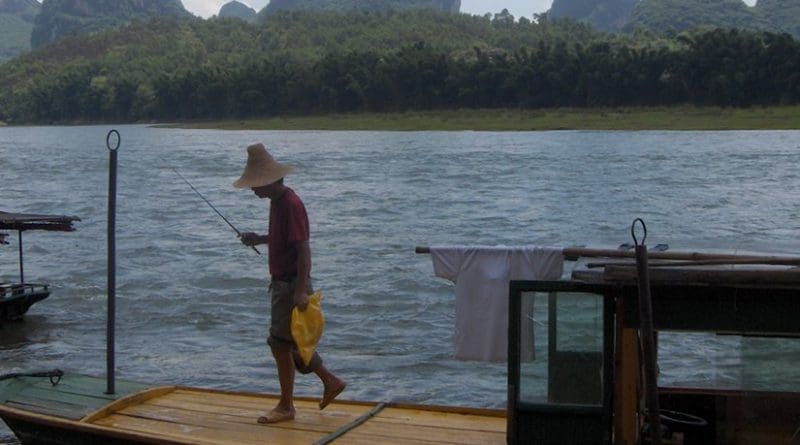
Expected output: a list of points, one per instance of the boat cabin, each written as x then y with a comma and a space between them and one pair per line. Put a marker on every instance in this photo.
583, 380
17, 297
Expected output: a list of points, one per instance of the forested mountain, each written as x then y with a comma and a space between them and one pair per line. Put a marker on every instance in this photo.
16, 24
237, 10
304, 62
674, 16
361, 5
62, 17
679, 15
605, 15
784, 15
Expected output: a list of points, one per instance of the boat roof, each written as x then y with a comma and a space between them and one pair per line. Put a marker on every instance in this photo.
26, 221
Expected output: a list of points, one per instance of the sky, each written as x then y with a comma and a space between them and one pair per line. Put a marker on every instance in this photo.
517, 8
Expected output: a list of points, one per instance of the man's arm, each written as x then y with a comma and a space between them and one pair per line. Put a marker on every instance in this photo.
253, 239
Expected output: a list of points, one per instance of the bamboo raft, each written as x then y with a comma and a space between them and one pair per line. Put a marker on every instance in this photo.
76, 410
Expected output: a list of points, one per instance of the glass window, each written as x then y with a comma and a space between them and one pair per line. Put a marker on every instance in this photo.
561, 348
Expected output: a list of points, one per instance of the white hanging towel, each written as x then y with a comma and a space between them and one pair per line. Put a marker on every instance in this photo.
481, 276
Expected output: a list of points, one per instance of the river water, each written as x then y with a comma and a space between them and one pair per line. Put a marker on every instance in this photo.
192, 304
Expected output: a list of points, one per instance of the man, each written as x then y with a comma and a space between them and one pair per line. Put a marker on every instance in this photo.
290, 271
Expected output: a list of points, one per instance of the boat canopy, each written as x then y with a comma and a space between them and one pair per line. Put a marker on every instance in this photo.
23, 221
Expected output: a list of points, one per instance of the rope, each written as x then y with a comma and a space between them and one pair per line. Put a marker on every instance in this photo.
54, 375
351, 426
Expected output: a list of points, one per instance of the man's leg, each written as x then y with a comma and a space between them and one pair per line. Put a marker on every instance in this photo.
333, 386
281, 345
285, 364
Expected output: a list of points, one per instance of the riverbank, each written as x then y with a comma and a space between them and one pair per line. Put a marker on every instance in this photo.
660, 118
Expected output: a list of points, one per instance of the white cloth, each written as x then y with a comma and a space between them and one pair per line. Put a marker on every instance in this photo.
481, 276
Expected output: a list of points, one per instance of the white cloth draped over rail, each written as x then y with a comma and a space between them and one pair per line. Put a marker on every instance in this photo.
481, 276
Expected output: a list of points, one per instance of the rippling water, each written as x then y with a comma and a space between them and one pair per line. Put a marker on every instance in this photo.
192, 304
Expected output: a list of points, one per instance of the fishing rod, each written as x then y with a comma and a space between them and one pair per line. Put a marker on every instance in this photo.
238, 233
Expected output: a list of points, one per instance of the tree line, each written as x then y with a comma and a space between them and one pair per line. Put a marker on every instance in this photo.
718, 67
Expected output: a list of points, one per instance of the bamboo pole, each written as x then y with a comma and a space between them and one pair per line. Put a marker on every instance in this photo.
574, 253
766, 261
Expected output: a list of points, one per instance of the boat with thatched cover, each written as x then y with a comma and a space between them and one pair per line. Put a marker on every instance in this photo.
16, 298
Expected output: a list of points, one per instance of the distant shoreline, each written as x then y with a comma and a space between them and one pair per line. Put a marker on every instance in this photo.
625, 118
679, 118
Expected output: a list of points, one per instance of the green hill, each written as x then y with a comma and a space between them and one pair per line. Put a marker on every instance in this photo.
783, 15
361, 5
64, 17
318, 62
16, 24
605, 15
237, 10
672, 16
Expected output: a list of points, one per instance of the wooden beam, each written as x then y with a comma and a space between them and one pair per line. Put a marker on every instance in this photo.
124, 402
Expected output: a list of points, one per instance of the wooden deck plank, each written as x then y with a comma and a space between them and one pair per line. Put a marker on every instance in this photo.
130, 400
332, 416
80, 384
255, 401
73, 397
206, 416
48, 407
369, 439
442, 419
426, 433
9, 388
310, 420
259, 401
175, 424
224, 397
59, 395
236, 434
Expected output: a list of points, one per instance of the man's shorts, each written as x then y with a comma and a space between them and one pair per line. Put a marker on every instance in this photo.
280, 330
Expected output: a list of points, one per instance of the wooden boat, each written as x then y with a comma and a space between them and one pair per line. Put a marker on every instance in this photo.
596, 393
17, 298
76, 410
585, 388
593, 392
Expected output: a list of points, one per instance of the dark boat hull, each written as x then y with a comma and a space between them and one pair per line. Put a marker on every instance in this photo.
44, 433
16, 299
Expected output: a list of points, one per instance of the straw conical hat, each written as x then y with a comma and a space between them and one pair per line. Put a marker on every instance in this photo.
261, 168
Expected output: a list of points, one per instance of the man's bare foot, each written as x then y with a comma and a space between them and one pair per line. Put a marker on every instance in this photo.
330, 392
276, 416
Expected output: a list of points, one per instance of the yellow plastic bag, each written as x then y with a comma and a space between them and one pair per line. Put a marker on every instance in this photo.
307, 326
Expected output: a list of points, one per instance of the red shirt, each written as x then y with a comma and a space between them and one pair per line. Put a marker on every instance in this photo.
288, 225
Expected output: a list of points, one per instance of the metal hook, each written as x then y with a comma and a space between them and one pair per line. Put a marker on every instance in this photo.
108, 140
633, 232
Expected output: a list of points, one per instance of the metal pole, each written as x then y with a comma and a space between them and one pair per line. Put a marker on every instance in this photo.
112, 253
21, 264
647, 337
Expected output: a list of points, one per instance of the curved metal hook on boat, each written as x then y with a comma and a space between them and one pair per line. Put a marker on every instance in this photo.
108, 140
633, 231
54, 375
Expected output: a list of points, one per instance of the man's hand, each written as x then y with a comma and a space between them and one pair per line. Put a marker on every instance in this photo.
250, 238
301, 299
